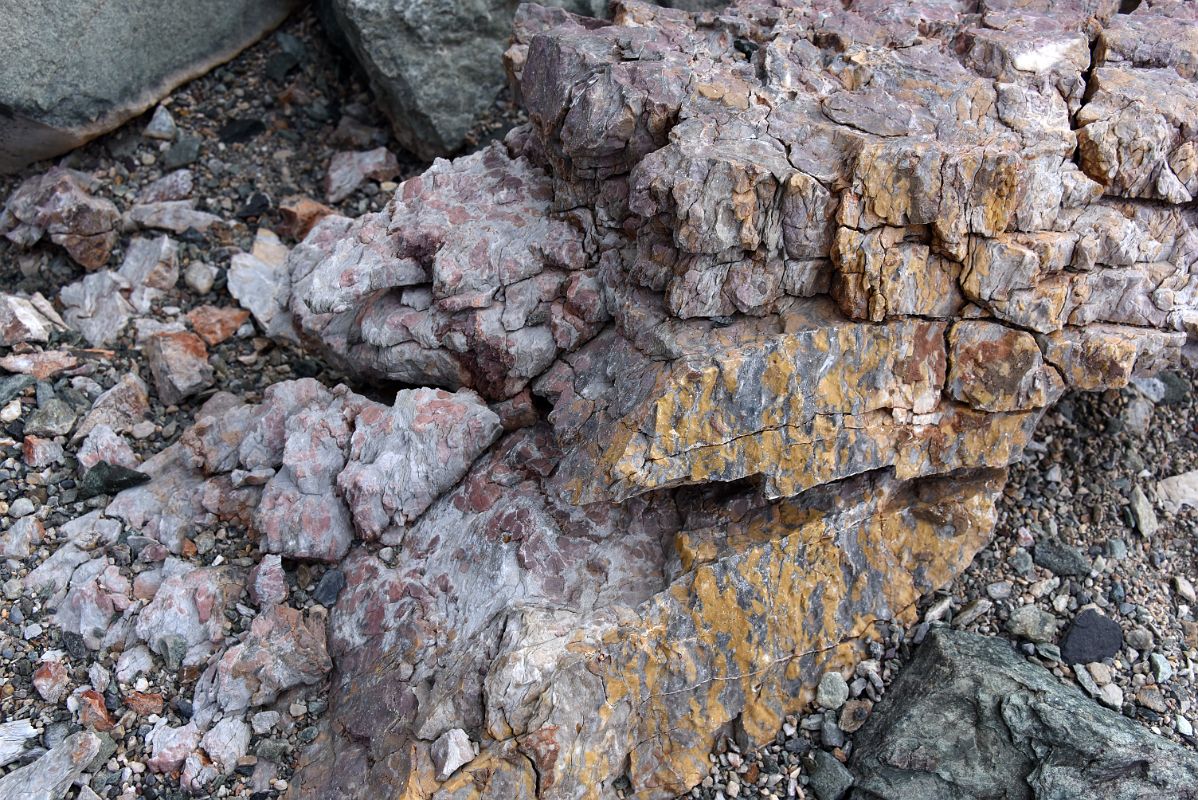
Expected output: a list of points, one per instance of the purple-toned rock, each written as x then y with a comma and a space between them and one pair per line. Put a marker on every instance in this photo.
105, 444
21, 537
118, 408
22, 321
465, 280
176, 185
151, 267
176, 216
185, 621
404, 457
170, 747
179, 364
268, 583
96, 594
58, 205
349, 170
283, 649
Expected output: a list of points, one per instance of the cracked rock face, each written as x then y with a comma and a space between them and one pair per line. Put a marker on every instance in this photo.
794, 283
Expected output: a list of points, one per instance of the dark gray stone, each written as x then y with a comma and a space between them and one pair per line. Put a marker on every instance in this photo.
1061, 559
105, 478
969, 719
829, 778
73, 69
331, 584
1091, 637
436, 67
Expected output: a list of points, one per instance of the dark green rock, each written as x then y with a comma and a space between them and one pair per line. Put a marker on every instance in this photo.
969, 719
105, 478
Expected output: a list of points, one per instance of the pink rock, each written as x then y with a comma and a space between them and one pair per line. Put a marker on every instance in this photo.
96, 594
20, 321
104, 444
179, 364
177, 216
404, 457
171, 746
348, 170
268, 582
41, 365
21, 537
96, 306
41, 452
151, 267
176, 185
284, 649
119, 408
214, 325
50, 680
185, 620
58, 205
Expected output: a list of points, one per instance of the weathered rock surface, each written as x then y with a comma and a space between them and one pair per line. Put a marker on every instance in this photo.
970, 718
797, 281
51, 776
73, 70
58, 205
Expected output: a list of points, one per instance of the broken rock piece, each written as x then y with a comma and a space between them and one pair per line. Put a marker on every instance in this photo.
996, 718
58, 205
179, 364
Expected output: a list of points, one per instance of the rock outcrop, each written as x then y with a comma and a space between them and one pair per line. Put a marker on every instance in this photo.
970, 718
794, 283
73, 70
437, 68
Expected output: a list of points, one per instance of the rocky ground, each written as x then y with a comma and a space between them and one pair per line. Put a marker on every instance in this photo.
1081, 523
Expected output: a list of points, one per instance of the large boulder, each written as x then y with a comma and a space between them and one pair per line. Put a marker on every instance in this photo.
436, 67
792, 285
970, 719
71, 70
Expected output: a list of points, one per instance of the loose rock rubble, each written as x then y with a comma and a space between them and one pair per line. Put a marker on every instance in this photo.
676, 413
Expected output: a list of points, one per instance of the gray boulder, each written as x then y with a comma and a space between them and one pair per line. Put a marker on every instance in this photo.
970, 719
71, 70
437, 66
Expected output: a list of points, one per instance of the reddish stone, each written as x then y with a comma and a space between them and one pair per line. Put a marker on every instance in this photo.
179, 364
144, 703
300, 215
215, 324
92, 712
41, 452
50, 680
40, 365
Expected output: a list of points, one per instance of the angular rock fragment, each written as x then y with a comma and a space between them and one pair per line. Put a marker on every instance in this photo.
179, 364
177, 216
259, 282
58, 205
51, 776
1005, 727
470, 282
151, 266
97, 307
184, 621
284, 649
23, 321
348, 170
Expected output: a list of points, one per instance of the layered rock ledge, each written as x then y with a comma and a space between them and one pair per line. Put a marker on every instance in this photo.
794, 282
694, 382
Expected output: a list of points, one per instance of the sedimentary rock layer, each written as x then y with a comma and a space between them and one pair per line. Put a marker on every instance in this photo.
794, 283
